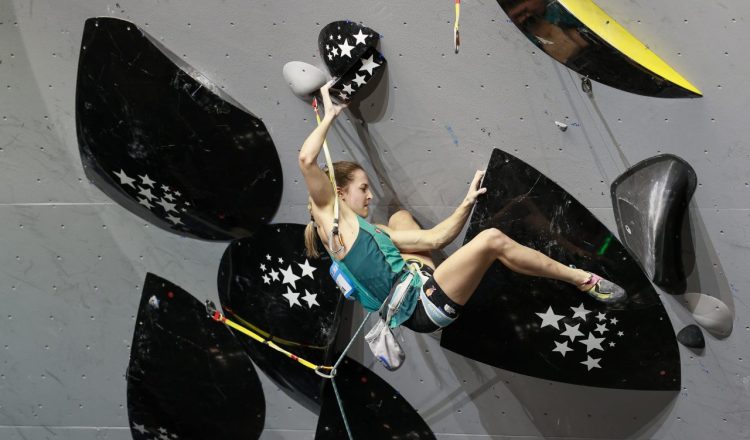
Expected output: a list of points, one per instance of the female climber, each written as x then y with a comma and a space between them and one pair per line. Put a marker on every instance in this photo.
374, 258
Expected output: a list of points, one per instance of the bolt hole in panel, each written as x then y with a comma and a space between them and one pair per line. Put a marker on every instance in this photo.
188, 377
580, 35
162, 141
546, 328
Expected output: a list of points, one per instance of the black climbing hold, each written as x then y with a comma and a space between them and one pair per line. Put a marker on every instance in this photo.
348, 50
650, 200
691, 336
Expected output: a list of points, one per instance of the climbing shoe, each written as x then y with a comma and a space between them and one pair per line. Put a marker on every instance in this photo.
604, 290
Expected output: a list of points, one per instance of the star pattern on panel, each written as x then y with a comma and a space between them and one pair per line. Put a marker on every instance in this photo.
550, 318
161, 200
364, 67
369, 64
286, 280
361, 37
346, 49
588, 335
155, 433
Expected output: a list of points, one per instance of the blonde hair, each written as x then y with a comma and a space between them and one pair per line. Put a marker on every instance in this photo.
343, 171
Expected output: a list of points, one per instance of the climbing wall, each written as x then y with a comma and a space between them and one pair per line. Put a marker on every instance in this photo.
73, 261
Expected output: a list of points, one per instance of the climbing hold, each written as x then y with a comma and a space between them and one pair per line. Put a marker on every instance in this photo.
710, 313
691, 336
303, 78
348, 49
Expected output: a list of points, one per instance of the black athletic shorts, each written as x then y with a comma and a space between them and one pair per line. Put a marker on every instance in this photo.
442, 308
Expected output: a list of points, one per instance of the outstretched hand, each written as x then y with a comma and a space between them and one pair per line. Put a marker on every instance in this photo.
330, 108
474, 189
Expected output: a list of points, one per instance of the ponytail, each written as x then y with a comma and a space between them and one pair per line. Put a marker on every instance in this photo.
311, 240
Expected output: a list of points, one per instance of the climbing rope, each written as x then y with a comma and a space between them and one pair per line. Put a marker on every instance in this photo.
332, 178
319, 369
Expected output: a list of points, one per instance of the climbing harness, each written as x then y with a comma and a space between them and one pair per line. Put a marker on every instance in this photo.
456, 36
332, 178
324, 371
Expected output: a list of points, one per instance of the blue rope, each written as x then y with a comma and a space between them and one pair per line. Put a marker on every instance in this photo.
333, 376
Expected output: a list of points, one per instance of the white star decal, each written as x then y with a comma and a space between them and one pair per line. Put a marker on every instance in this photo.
262, 267
147, 181
369, 64
601, 328
330, 56
289, 276
562, 348
145, 203
169, 197
124, 179
268, 257
346, 50
348, 88
173, 219
292, 297
140, 428
550, 318
274, 275
601, 316
360, 37
310, 298
281, 260
165, 188
177, 193
330, 37
620, 333
591, 363
266, 279
146, 192
166, 205
572, 332
359, 79
580, 312
592, 343
343, 96
306, 269
614, 321
611, 344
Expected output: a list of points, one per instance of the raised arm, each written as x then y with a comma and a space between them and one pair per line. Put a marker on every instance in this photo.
317, 181
444, 232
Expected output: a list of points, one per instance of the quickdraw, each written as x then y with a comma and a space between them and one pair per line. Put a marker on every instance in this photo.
456, 36
267, 340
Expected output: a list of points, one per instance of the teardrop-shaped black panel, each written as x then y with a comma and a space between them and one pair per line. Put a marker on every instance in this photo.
373, 408
546, 328
595, 46
158, 138
188, 377
267, 284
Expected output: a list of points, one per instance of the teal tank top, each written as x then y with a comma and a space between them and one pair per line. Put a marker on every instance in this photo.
374, 264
